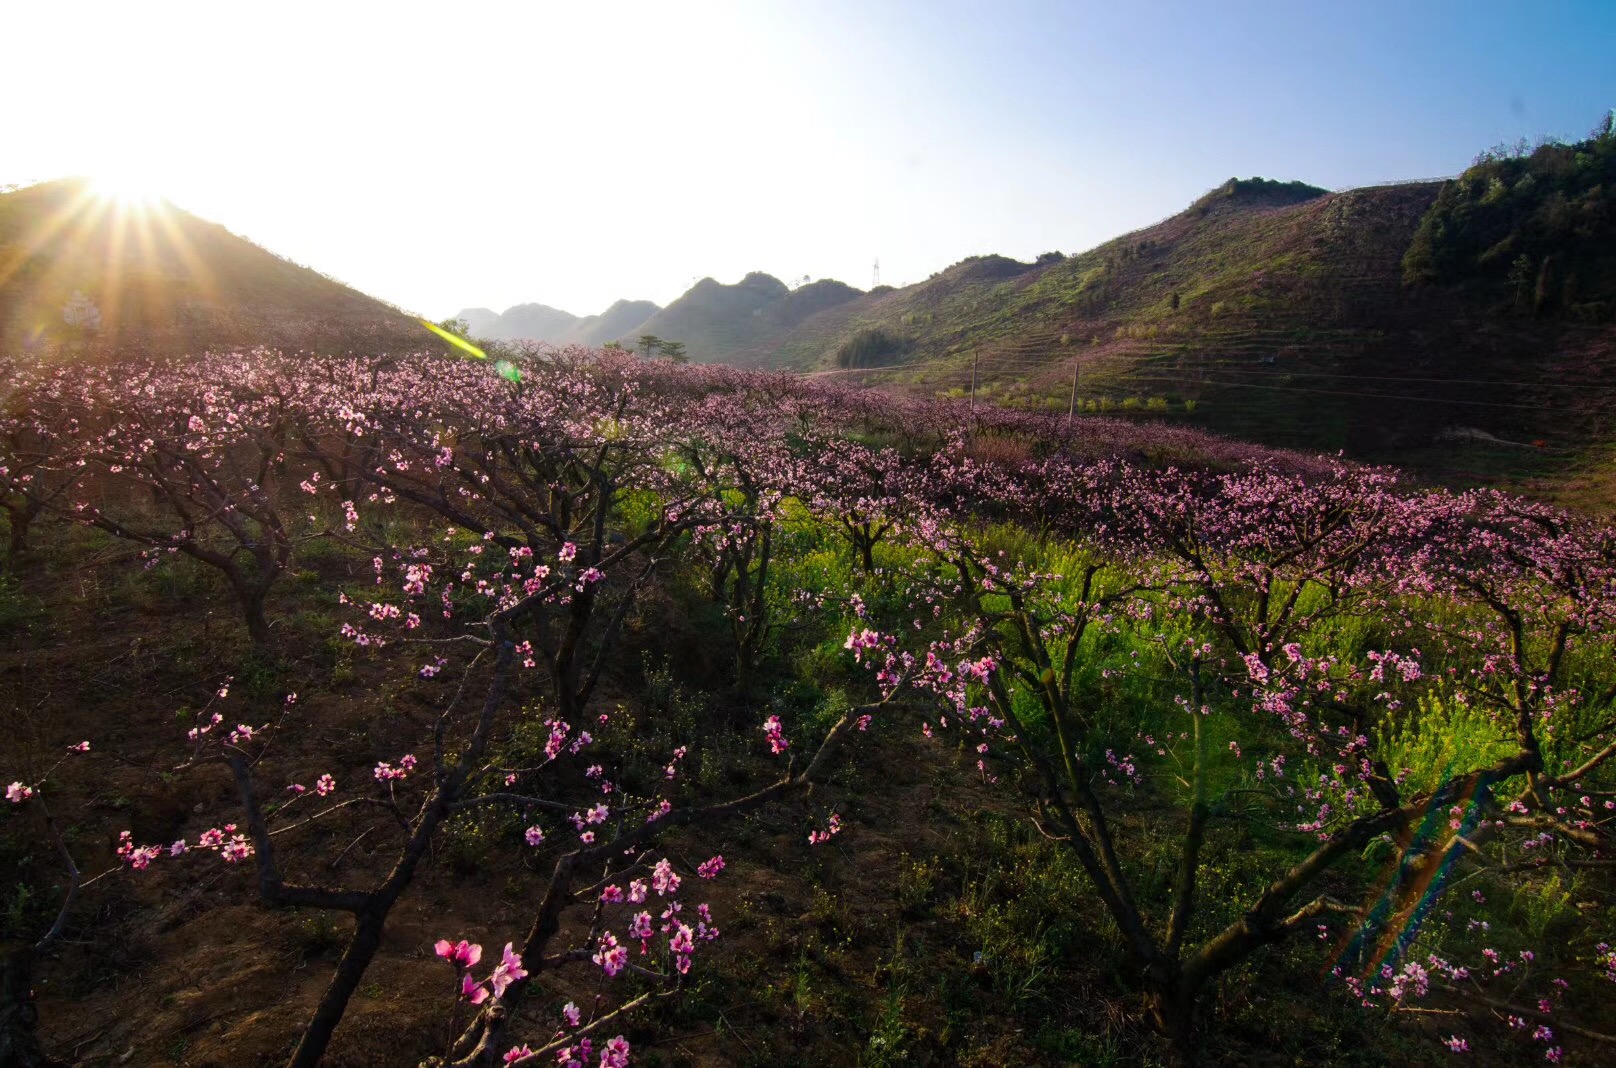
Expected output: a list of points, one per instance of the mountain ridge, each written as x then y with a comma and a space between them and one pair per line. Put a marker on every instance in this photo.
541, 322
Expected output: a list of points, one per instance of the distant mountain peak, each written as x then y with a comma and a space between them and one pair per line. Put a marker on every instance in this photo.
541, 322
716, 321
763, 281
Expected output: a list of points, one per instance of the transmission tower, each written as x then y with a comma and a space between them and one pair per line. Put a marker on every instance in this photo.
875, 279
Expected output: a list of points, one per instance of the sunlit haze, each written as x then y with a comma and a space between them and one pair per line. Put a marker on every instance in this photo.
447, 156
132, 188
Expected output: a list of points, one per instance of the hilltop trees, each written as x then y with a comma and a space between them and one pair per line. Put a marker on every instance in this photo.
1548, 213
1605, 129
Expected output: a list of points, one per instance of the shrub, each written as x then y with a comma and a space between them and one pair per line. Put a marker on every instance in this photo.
871, 347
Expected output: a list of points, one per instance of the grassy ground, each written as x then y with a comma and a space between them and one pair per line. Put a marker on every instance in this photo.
939, 928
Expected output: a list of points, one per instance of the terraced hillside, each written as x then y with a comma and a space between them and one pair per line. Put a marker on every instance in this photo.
1274, 312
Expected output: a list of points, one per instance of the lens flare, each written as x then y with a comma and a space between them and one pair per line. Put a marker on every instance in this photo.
504, 368
1415, 884
454, 339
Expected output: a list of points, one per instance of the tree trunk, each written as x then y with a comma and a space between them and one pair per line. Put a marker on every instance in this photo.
252, 608
251, 595
19, 519
19, 1046
1171, 1008
367, 938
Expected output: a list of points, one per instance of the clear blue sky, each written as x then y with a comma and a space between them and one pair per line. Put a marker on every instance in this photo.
441, 156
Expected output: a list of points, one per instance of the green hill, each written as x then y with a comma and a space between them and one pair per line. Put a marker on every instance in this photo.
1537, 230
621, 319
80, 270
1394, 322
717, 322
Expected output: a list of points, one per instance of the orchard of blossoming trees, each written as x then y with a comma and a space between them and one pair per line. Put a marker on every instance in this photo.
1162, 647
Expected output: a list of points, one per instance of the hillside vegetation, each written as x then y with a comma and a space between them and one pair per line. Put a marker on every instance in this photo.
1275, 312
715, 321
88, 273
1537, 229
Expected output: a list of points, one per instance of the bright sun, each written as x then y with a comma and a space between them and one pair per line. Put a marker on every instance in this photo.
129, 189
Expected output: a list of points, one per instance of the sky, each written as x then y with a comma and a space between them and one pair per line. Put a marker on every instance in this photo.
443, 156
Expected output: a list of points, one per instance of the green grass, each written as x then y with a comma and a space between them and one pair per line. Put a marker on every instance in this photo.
983, 941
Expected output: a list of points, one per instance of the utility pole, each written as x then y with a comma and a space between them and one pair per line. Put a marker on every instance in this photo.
973, 388
1071, 407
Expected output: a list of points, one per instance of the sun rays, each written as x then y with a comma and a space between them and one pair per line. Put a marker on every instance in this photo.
113, 239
